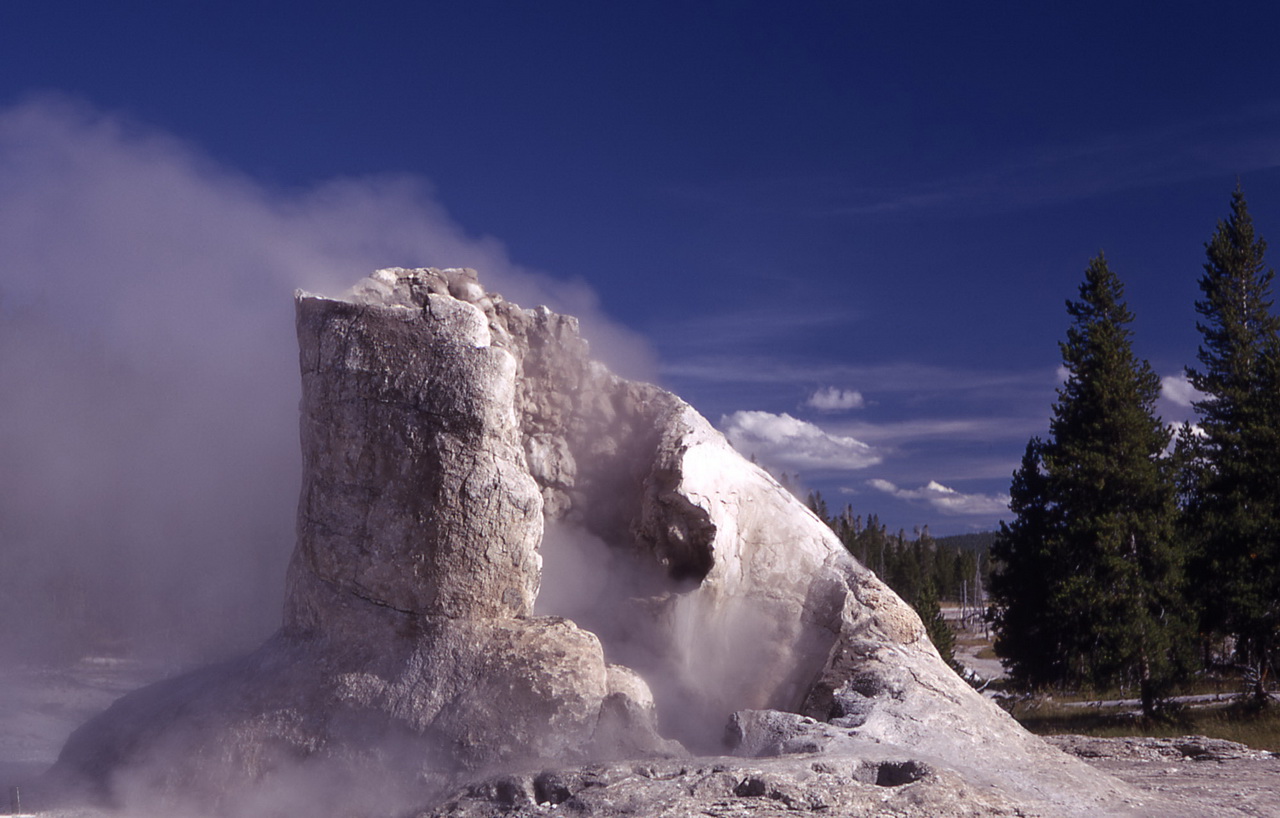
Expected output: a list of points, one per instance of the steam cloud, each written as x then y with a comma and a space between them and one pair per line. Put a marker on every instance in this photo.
148, 413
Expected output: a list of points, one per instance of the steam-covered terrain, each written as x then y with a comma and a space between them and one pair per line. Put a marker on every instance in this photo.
522, 582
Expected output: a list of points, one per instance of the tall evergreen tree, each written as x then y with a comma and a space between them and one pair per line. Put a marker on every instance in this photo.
1232, 485
1113, 569
1026, 630
818, 505
935, 624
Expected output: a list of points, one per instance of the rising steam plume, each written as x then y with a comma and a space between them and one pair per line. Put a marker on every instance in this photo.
148, 374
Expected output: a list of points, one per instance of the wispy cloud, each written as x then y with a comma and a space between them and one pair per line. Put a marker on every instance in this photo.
789, 443
950, 429
880, 378
735, 332
1040, 175
944, 499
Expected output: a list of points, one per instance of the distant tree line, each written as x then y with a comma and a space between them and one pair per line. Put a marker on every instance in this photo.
1139, 554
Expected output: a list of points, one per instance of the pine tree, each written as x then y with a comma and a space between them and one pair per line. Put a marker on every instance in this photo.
935, 624
1026, 632
1231, 483
1096, 519
818, 506
870, 546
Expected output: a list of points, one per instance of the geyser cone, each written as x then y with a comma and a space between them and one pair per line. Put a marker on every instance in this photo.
442, 430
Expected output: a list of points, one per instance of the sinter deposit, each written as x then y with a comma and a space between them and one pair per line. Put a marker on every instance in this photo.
524, 583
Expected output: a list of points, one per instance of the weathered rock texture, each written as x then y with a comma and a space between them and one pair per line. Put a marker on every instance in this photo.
442, 430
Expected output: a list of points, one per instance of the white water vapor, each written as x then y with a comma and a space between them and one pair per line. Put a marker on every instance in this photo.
149, 459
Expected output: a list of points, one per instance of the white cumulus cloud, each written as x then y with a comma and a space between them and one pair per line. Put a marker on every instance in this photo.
833, 399
1178, 390
946, 499
787, 442
1195, 429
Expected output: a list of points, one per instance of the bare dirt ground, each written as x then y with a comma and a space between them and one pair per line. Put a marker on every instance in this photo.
39, 707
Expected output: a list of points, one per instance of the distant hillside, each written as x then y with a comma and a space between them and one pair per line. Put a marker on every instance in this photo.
980, 541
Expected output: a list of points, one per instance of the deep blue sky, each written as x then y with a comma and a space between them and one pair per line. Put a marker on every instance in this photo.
781, 200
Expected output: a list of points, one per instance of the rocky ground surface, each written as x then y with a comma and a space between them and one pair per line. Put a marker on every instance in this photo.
40, 704
1190, 776
1236, 784
1199, 776
1194, 775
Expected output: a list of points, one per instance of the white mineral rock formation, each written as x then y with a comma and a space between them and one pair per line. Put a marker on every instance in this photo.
443, 430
